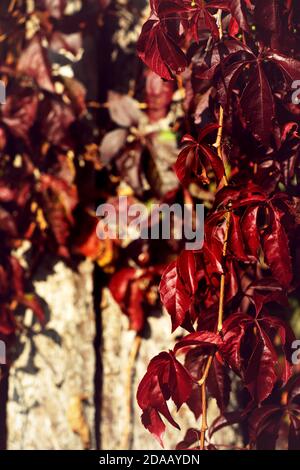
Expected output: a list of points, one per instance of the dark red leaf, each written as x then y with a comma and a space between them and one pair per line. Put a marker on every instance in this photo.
33, 62
165, 378
177, 287
258, 105
249, 227
159, 51
276, 249
239, 12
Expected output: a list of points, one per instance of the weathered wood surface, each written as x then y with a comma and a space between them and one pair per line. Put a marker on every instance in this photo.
117, 429
51, 383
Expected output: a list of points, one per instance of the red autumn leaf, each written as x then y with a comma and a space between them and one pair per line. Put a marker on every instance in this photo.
215, 228
17, 275
276, 249
87, 242
266, 422
260, 375
250, 230
125, 289
191, 437
202, 17
233, 28
55, 122
238, 9
165, 379
236, 241
197, 157
265, 291
246, 236
251, 79
218, 382
266, 14
20, 113
227, 419
157, 45
259, 369
256, 96
34, 63
204, 339
288, 66
7, 321
269, 417
259, 112
177, 287
59, 200
288, 150
7, 223
49, 142
128, 287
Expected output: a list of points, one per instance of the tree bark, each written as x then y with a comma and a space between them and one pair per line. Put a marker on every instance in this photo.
51, 383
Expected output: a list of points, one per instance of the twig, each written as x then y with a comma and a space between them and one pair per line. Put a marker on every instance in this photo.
222, 282
206, 370
218, 143
219, 22
204, 416
202, 381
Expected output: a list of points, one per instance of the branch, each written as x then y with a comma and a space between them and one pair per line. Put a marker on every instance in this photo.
202, 381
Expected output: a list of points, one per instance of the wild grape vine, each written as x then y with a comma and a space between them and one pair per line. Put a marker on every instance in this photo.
237, 61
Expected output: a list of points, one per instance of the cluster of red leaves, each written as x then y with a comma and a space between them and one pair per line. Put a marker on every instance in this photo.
50, 161
244, 55
63, 153
39, 155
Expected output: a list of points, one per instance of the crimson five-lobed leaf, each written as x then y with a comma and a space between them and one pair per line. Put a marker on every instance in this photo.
157, 45
197, 157
165, 378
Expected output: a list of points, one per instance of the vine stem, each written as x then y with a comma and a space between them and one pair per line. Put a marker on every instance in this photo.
202, 381
222, 281
218, 143
204, 416
135, 348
